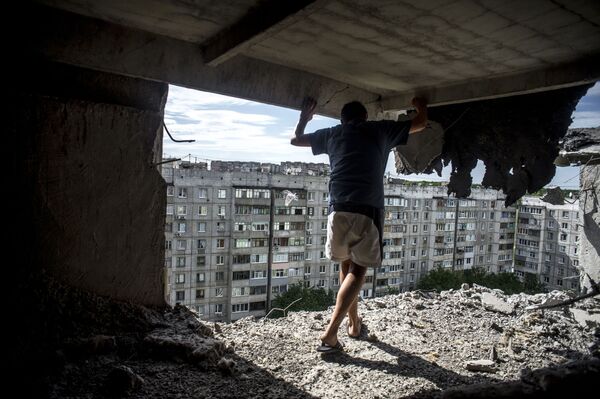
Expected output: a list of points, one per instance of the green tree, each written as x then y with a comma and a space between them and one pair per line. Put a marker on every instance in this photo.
313, 299
440, 279
444, 279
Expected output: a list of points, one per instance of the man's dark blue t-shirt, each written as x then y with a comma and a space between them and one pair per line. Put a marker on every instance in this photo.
358, 154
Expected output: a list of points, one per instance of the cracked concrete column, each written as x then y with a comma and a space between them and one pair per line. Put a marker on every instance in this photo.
589, 204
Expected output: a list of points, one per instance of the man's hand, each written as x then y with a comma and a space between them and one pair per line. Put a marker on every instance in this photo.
307, 111
419, 122
419, 103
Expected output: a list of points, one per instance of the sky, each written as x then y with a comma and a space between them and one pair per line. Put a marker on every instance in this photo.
232, 129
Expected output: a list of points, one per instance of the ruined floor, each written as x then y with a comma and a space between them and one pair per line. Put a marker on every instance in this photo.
413, 345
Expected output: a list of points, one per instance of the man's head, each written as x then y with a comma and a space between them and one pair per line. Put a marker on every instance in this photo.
354, 112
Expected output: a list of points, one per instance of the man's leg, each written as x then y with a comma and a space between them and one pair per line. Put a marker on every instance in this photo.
347, 294
353, 321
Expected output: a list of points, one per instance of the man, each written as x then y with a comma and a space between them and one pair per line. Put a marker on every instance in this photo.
358, 152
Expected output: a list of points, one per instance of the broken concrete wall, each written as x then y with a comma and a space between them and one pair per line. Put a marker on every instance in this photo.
516, 138
589, 204
86, 145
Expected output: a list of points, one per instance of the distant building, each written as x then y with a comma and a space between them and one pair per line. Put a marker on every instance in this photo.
229, 226
548, 242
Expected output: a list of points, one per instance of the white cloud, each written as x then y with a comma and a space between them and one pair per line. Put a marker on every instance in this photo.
181, 98
585, 119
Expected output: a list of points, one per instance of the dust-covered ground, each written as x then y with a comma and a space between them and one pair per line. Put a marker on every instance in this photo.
472, 342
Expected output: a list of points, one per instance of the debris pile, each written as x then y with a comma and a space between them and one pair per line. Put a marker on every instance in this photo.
460, 343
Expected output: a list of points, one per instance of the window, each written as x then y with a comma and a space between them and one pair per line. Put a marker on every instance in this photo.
200, 261
325, 196
258, 258
324, 211
311, 196
222, 193
182, 210
280, 273
258, 274
181, 245
565, 215
200, 277
239, 307
170, 191
179, 278
199, 294
168, 244
415, 228
220, 243
180, 295
219, 292
322, 255
221, 210
241, 275
563, 237
181, 227
322, 269
182, 192
219, 260
201, 246
324, 225
239, 291
202, 210
202, 193
219, 276
169, 209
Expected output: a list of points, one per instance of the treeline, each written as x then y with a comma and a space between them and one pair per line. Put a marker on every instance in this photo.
444, 279
313, 299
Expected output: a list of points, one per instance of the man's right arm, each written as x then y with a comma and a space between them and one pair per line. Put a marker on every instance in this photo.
419, 122
306, 114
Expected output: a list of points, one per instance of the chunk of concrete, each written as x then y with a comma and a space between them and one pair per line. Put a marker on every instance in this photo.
487, 366
586, 319
494, 303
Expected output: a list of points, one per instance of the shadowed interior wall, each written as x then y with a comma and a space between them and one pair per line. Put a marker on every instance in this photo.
88, 142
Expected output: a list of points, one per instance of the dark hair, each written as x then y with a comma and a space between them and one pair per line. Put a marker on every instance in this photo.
354, 111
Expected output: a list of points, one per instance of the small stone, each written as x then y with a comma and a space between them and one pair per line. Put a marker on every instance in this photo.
121, 380
493, 353
318, 316
227, 366
218, 328
483, 365
372, 338
464, 286
496, 327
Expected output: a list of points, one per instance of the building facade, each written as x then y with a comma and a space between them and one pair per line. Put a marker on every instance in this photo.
238, 234
548, 242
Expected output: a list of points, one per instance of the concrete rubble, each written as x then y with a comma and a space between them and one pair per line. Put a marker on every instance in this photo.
452, 344
517, 138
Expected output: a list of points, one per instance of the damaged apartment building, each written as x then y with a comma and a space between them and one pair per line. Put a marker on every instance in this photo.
87, 86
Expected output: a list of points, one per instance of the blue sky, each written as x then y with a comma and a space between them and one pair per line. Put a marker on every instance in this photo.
232, 129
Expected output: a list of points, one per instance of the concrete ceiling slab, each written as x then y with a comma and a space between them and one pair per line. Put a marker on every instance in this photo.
449, 50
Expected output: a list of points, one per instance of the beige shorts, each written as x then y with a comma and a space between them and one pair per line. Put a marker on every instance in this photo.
352, 236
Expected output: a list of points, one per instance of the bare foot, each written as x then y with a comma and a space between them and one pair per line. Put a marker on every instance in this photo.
329, 340
354, 328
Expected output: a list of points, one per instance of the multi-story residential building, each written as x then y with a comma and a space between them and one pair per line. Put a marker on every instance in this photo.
239, 233
548, 242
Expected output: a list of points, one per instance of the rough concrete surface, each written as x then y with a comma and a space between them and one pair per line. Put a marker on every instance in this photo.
98, 199
418, 345
516, 138
589, 203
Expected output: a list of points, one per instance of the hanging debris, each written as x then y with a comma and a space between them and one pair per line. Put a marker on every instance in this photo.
517, 138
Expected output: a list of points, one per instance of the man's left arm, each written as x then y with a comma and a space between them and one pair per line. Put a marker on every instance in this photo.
306, 114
